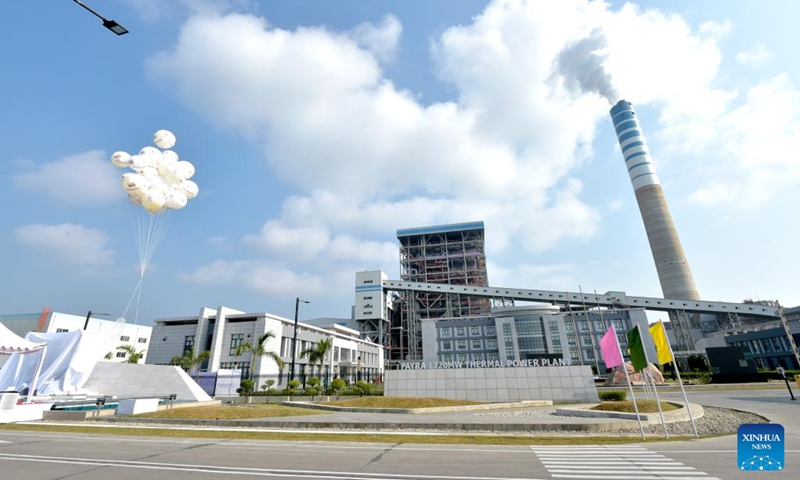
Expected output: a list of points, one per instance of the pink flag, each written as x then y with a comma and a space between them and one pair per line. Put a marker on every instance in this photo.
609, 348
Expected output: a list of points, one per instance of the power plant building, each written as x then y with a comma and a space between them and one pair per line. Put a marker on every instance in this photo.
449, 254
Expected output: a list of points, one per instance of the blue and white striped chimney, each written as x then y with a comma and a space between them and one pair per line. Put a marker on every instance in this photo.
673, 269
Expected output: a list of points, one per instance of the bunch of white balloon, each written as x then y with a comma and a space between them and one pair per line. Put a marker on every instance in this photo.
160, 180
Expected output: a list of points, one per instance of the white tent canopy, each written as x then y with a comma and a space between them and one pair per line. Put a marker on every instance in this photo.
65, 365
12, 343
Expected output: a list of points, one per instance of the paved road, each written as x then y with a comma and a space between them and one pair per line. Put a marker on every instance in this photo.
44, 456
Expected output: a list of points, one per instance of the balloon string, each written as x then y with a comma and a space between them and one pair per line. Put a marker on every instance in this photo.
148, 232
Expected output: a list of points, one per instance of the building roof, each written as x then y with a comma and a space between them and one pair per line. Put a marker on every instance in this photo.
453, 227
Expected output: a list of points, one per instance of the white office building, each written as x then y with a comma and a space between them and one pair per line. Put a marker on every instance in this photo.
220, 331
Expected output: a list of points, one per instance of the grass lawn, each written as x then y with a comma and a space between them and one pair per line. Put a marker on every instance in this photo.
228, 412
243, 434
401, 402
645, 406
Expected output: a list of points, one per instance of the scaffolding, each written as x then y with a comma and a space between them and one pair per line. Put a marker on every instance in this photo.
451, 254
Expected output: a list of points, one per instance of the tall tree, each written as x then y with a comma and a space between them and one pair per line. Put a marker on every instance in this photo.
189, 361
133, 355
318, 352
259, 349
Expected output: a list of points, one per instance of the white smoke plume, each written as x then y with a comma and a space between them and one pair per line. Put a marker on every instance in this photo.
581, 65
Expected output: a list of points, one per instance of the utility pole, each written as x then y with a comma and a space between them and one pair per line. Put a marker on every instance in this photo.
294, 336
89, 315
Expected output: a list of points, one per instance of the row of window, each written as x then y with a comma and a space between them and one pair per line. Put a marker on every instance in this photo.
766, 345
123, 338
474, 344
461, 331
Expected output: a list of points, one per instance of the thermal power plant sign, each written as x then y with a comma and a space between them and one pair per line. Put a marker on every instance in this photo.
543, 361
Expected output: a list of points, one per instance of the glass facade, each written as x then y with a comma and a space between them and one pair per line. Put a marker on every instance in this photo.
530, 336
529, 333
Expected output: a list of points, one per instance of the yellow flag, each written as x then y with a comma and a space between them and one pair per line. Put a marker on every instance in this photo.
660, 340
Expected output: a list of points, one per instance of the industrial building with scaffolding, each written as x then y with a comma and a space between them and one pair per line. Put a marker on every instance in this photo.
443, 309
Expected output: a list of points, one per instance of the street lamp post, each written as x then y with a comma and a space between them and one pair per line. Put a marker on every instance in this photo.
294, 337
89, 315
109, 24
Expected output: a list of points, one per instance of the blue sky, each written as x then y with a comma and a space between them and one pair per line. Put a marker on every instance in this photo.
319, 128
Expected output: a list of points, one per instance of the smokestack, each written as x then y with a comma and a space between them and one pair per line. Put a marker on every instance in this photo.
673, 269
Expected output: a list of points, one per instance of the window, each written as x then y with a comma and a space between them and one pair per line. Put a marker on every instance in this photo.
335, 354
446, 332
461, 344
124, 338
188, 344
463, 357
490, 330
491, 344
142, 340
243, 366
120, 354
477, 344
447, 345
62, 330
475, 331
367, 298
492, 356
478, 357
508, 340
461, 331
236, 340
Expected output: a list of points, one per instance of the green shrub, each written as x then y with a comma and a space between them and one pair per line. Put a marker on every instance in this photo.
246, 388
362, 388
292, 384
337, 385
612, 396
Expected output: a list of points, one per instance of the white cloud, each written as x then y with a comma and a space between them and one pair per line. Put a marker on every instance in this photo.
379, 39
263, 277
755, 56
744, 153
288, 87
83, 178
70, 244
368, 157
524, 275
712, 195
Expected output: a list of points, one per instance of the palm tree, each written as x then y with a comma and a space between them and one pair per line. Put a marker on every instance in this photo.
189, 361
259, 349
318, 353
133, 355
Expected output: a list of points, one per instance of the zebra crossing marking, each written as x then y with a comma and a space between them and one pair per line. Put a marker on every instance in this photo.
619, 462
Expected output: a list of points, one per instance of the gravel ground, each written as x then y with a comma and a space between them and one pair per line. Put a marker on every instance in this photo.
716, 421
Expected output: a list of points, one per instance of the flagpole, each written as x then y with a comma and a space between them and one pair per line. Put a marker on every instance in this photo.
575, 331
658, 401
678, 375
630, 385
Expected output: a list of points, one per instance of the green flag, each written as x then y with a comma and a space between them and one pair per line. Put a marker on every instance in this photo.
636, 349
